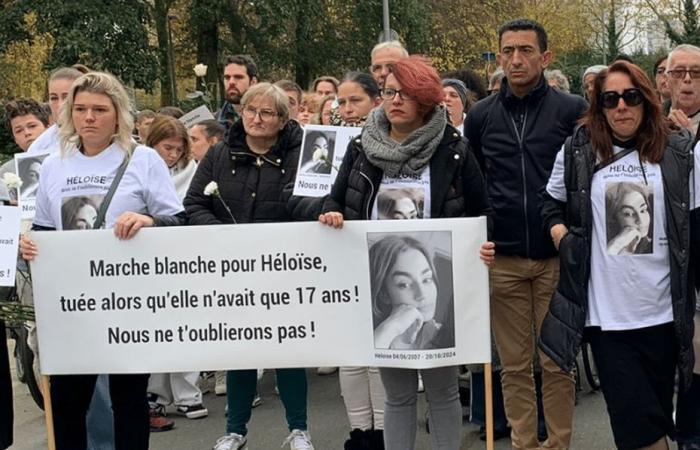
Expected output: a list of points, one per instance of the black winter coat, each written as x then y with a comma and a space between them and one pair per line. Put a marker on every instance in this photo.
250, 184
457, 188
516, 141
562, 330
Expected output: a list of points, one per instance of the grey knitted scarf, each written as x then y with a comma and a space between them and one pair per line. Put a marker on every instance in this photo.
409, 157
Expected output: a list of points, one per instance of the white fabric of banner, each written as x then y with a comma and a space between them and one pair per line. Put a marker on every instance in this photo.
263, 296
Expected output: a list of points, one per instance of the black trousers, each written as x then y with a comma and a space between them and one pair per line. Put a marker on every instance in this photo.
6, 414
637, 372
71, 396
688, 413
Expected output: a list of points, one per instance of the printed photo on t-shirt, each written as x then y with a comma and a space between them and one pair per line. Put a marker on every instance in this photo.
629, 216
400, 203
80, 212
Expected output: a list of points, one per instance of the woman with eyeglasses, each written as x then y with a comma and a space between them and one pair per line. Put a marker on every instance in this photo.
407, 144
257, 159
621, 208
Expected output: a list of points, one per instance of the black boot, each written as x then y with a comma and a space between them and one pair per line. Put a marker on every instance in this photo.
359, 440
376, 439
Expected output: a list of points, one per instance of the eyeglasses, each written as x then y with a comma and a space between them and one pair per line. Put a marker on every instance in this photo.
390, 93
679, 74
632, 97
265, 114
377, 68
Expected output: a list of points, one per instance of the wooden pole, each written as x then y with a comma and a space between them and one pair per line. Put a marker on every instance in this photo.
48, 410
488, 397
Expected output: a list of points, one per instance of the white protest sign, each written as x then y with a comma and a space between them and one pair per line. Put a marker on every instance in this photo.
323, 148
257, 296
197, 115
9, 240
28, 168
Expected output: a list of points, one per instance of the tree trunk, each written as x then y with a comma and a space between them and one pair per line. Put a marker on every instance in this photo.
208, 53
161, 22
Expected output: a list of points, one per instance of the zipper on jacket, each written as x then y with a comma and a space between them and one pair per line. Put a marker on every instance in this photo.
520, 134
371, 193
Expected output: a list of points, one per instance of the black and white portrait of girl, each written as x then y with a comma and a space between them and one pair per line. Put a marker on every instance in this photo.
80, 213
29, 171
317, 155
629, 214
400, 203
412, 298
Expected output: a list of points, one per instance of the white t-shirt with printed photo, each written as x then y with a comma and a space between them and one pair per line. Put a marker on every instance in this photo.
629, 285
403, 197
73, 187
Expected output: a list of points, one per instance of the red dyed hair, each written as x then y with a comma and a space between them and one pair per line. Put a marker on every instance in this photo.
419, 79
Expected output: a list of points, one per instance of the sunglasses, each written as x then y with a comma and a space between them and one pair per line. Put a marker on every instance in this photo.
632, 97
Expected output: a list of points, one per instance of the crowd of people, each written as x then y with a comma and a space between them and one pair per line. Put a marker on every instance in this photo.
593, 232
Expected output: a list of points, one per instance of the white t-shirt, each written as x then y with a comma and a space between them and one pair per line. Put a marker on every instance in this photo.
71, 189
404, 197
629, 285
47, 142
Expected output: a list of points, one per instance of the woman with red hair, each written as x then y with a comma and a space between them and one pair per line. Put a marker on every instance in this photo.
407, 146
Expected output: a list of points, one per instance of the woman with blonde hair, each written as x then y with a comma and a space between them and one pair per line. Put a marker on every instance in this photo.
132, 186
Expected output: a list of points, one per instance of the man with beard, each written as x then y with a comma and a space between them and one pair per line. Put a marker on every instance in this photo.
240, 73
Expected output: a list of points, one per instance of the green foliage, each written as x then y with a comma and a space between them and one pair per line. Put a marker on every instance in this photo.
691, 28
103, 35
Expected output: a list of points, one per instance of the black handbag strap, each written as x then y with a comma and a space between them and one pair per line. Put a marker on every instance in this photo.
616, 157
99, 221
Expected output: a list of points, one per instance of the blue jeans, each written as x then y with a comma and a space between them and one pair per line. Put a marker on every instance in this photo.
100, 421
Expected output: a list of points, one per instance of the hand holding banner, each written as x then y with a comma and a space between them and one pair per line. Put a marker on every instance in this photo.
415, 294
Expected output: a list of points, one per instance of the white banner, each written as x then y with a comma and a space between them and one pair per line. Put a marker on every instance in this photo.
323, 148
28, 168
9, 240
379, 293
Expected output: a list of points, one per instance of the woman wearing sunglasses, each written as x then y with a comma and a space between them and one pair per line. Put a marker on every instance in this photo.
620, 207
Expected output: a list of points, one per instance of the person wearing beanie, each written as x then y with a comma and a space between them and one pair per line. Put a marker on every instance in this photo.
456, 101
588, 78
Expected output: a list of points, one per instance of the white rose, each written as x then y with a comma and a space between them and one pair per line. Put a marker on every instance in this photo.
200, 70
320, 154
11, 180
211, 189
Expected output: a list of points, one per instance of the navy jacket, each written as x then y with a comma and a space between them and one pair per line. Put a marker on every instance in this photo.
516, 141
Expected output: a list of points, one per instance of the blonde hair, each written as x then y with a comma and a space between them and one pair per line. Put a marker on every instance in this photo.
96, 83
277, 95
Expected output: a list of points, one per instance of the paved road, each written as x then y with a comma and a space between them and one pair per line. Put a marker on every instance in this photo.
327, 421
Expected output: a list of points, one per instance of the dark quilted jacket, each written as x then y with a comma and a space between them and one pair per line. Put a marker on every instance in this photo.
251, 185
457, 188
562, 329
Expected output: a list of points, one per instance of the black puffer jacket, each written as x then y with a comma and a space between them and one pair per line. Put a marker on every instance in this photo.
250, 184
457, 188
515, 141
562, 330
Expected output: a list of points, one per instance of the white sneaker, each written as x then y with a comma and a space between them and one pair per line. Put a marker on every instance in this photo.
231, 441
220, 382
298, 440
